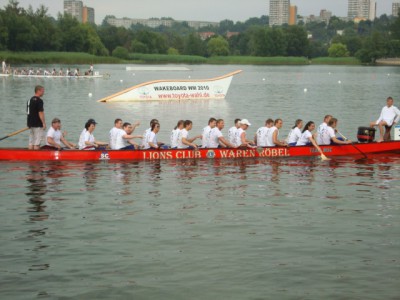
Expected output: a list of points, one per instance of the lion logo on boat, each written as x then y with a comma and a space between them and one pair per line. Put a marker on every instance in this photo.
210, 154
104, 156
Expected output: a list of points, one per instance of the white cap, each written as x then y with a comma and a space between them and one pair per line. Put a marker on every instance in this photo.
245, 122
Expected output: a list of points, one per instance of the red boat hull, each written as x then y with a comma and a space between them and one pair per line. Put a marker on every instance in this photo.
359, 149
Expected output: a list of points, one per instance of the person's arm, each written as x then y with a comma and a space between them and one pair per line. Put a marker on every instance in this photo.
68, 144
41, 116
193, 139
189, 142
397, 119
275, 139
315, 144
335, 140
129, 136
137, 124
51, 142
225, 143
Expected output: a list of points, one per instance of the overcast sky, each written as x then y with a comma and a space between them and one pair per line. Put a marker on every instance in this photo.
198, 10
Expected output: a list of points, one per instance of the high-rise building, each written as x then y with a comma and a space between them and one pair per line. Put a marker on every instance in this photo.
88, 15
325, 15
372, 10
395, 8
74, 8
293, 15
362, 9
278, 12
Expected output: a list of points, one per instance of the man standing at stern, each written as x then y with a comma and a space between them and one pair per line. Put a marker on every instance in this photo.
36, 121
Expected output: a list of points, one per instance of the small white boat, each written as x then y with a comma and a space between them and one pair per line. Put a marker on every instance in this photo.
167, 90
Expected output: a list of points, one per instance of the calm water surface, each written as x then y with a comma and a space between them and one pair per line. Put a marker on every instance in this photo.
220, 229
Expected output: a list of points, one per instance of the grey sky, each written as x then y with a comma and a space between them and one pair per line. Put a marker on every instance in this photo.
198, 10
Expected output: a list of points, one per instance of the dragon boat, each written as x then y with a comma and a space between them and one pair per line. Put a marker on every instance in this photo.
352, 150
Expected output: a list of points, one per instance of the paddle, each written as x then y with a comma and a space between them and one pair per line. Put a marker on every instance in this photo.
352, 144
14, 133
323, 156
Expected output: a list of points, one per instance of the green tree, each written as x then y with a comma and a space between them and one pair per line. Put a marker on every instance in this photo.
297, 41
194, 45
120, 52
139, 47
374, 47
218, 46
338, 50
172, 51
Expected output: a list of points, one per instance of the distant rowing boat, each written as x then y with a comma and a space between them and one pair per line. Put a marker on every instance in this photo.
181, 89
56, 76
353, 150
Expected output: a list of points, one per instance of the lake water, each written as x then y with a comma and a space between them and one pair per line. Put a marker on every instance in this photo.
221, 229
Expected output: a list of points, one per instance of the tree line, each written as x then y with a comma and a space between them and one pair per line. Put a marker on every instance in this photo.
28, 30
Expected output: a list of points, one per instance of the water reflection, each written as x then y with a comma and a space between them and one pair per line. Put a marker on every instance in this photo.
37, 188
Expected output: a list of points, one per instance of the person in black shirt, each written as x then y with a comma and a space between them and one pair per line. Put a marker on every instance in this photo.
36, 120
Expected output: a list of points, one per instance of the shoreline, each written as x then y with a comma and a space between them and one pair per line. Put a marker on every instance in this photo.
68, 58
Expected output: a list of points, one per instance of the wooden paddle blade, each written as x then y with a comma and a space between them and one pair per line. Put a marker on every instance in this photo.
323, 157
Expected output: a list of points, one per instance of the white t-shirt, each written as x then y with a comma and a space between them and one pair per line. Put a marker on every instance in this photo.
206, 137
151, 138
215, 134
294, 135
270, 136
147, 131
327, 135
262, 136
238, 138
55, 134
232, 135
85, 136
174, 137
120, 142
304, 139
389, 114
113, 137
182, 134
320, 132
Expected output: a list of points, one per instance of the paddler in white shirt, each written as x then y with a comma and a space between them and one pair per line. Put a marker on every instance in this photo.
175, 134
124, 138
86, 139
55, 138
390, 115
273, 134
184, 142
217, 140
148, 130
329, 135
115, 130
295, 133
260, 138
205, 137
241, 140
232, 131
322, 128
151, 139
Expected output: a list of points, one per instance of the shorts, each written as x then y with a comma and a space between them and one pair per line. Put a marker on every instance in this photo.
36, 136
